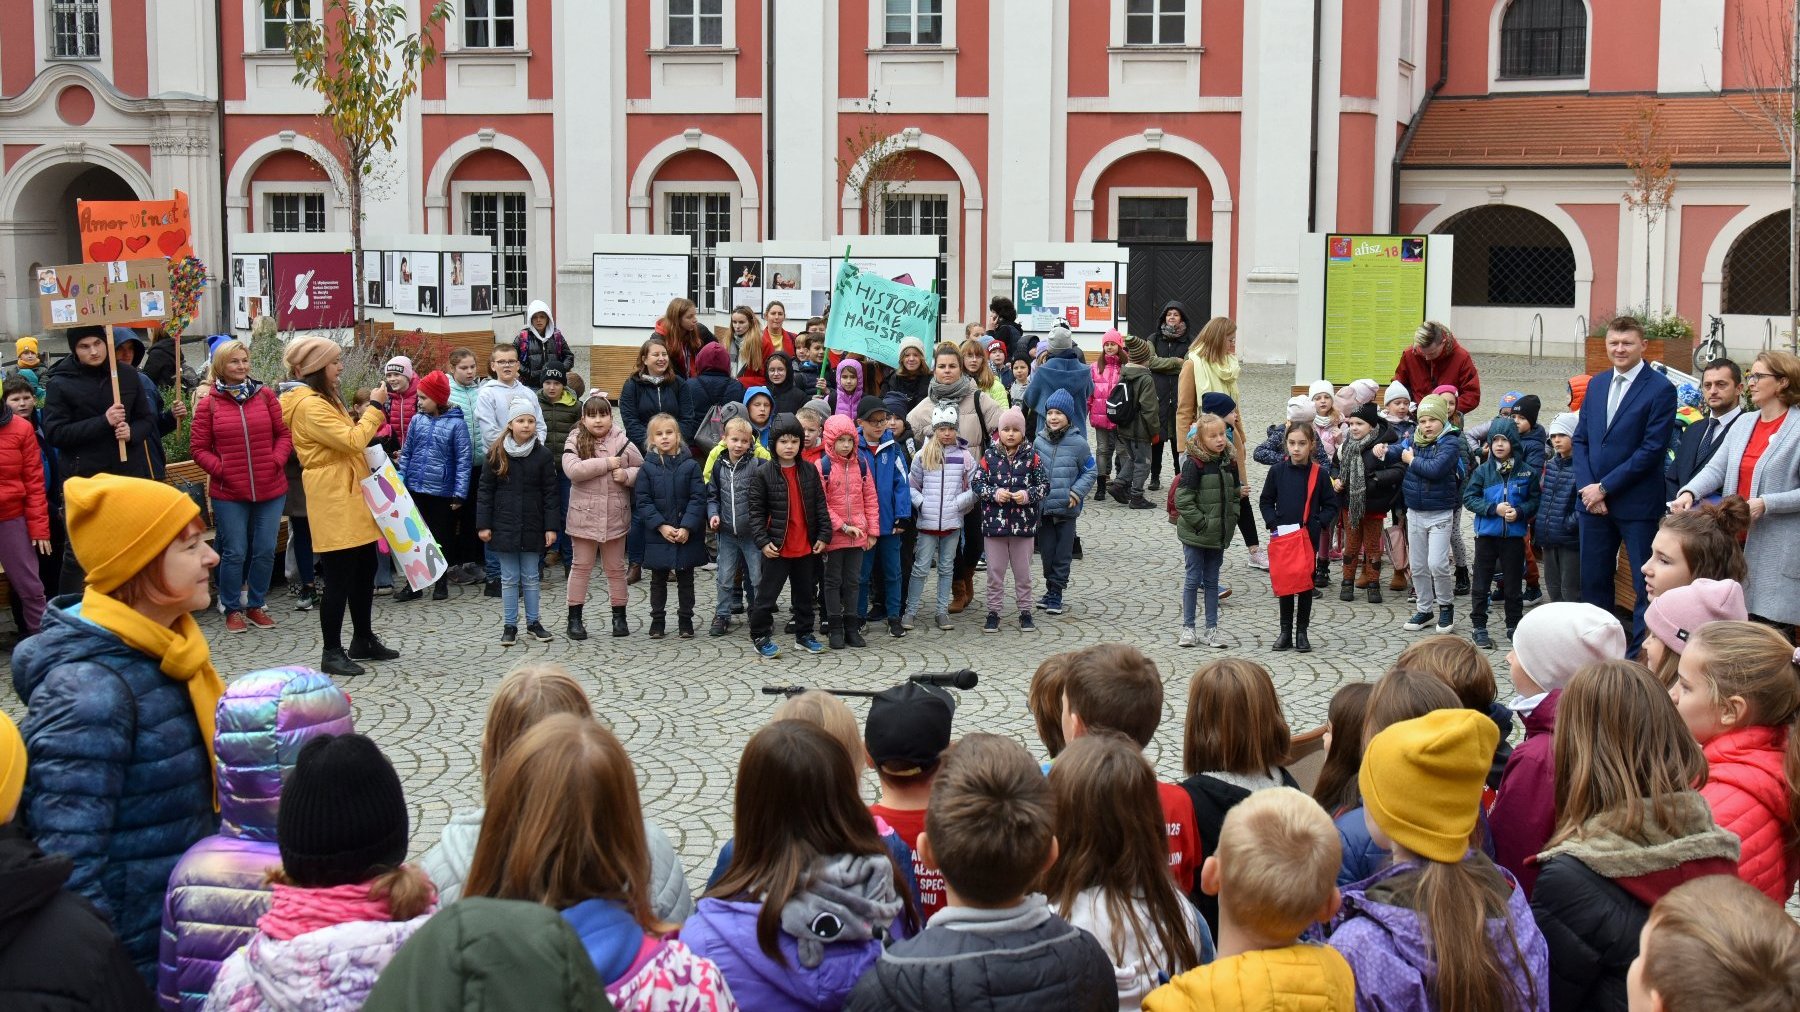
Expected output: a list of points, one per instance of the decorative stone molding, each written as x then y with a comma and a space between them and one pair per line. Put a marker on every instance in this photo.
179, 144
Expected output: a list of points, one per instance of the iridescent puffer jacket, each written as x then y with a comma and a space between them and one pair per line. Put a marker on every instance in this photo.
217, 891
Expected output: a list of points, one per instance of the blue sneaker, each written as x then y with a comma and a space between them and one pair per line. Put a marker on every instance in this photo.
1421, 619
809, 644
1025, 622
992, 625
1052, 606
767, 648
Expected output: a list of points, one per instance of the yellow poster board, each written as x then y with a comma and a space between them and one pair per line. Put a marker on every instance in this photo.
1374, 302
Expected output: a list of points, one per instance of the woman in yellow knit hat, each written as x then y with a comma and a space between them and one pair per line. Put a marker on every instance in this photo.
122, 693
329, 443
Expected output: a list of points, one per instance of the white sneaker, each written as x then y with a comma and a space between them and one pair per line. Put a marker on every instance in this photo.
1259, 558
1187, 637
1213, 638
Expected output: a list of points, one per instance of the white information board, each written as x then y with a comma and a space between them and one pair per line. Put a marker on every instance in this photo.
468, 283
416, 289
634, 289
249, 289
1081, 293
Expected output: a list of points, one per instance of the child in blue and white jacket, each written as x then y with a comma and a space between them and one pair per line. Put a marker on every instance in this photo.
1064, 451
1502, 495
942, 496
436, 462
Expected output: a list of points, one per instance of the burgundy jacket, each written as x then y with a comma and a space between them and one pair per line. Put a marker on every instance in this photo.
243, 447
1454, 367
1524, 813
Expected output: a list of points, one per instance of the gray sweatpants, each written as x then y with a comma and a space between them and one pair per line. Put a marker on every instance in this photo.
1428, 547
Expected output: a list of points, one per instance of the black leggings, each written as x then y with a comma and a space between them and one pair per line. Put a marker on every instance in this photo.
349, 582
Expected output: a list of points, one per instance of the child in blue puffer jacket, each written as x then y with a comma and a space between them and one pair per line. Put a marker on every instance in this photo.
1431, 489
1070, 464
435, 461
1503, 496
1553, 530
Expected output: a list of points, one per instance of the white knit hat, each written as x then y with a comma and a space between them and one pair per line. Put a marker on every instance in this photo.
1396, 391
1565, 423
1554, 641
1300, 409
1365, 390
520, 406
1320, 387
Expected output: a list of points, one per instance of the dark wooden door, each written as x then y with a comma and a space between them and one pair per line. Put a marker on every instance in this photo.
1158, 272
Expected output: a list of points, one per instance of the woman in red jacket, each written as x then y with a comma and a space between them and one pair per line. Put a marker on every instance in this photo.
241, 442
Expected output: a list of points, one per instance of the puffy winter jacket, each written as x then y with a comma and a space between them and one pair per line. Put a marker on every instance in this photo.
1207, 501
437, 458
645, 973
118, 780
402, 408
728, 493
1296, 977
1554, 526
455, 961
1069, 463
1020, 471
1524, 811
448, 861
1065, 371
713, 385
724, 932
1143, 392
1434, 478
560, 418
466, 398
769, 504
244, 447
23, 491
942, 497
669, 491
1383, 937
849, 489
1747, 789
644, 397
1489, 486
1105, 373
892, 492
540, 350
218, 889
331, 969
1014, 959
600, 507
75, 403
1273, 450
56, 953
521, 506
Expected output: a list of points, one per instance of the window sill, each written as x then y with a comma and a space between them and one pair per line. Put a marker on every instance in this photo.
270, 56
693, 51
1130, 49
912, 50
72, 59
1560, 79
487, 52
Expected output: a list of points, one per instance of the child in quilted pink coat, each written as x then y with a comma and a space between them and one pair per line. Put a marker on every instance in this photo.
855, 520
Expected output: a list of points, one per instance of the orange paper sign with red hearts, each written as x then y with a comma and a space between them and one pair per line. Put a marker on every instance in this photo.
132, 229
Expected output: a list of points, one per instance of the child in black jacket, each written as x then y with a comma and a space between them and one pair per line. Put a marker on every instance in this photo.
516, 515
1285, 502
1368, 475
792, 525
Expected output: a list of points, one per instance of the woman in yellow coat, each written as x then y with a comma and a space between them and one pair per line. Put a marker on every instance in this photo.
329, 445
1211, 367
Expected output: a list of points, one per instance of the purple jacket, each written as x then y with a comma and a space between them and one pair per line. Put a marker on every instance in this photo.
1524, 813
1386, 948
724, 931
216, 892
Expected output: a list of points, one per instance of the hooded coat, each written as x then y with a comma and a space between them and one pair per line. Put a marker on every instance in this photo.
1168, 395
1105, 372
332, 969
712, 385
1062, 370
1746, 786
560, 418
23, 491
941, 498
787, 394
1524, 811
1069, 464
845, 404
1019, 471
56, 953
402, 408
488, 955
600, 507
1207, 501
669, 491
244, 447
1513, 482
849, 488
644, 397
218, 889
1555, 524
166, 422
892, 491
539, 350
118, 781
75, 404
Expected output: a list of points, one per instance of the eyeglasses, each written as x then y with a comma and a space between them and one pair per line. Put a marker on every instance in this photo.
1755, 376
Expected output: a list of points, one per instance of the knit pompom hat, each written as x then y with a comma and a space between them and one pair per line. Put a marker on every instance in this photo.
1676, 615
1137, 350
1421, 780
1554, 641
1300, 409
1012, 418
118, 525
944, 413
436, 386
343, 814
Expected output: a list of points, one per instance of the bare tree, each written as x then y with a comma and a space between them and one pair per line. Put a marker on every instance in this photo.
1769, 51
875, 164
1653, 175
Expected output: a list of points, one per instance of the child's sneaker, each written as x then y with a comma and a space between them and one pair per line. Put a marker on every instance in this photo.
1052, 605
539, 633
943, 622
1510, 630
1259, 558
720, 626
1213, 638
992, 625
509, 635
1421, 619
1481, 638
1446, 617
809, 644
767, 648
909, 622
1534, 596
1025, 622
1187, 637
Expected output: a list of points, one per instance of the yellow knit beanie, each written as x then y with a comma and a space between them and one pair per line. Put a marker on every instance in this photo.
1421, 780
117, 525
12, 768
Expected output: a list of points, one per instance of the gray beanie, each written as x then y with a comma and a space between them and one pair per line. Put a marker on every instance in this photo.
1060, 337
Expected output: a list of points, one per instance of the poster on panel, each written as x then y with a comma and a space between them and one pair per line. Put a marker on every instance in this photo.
634, 289
1374, 302
416, 288
313, 290
249, 289
1079, 293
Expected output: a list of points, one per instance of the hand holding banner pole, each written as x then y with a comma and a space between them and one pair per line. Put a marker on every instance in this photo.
112, 365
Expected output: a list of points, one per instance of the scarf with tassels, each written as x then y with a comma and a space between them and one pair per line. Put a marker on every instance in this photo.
185, 655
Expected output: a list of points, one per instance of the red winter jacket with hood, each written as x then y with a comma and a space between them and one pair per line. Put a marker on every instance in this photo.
849, 488
22, 475
1747, 789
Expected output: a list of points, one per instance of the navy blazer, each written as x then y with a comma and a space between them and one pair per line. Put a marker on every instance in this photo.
1689, 461
1627, 458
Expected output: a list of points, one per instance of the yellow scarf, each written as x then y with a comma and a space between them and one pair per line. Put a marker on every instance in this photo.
186, 657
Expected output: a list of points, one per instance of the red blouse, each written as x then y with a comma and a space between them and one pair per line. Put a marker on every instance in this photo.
1759, 443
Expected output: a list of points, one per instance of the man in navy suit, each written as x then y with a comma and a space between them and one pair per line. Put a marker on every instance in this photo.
1620, 446
1722, 384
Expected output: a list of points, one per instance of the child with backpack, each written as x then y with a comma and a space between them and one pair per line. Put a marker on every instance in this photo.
541, 346
1131, 406
669, 514
1070, 466
942, 494
1367, 479
728, 517
1297, 493
855, 518
1208, 496
515, 516
791, 522
1011, 484
435, 463
1502, 495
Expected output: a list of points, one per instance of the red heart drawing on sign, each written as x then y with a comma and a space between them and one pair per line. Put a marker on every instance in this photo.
137, 242
169, 242
103, 251
395, 514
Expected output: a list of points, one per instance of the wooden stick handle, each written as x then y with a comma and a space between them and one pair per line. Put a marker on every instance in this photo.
112, 365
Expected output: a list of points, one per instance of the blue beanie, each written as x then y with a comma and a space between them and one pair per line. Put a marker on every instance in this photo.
1215, 403
1061, 401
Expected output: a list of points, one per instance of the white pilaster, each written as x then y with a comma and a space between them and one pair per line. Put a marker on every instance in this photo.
805, 113
1023, 128
1277, 133
590, 170
1690, 41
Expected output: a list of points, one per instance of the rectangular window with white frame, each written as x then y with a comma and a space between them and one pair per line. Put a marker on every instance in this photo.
696, 22
922, 214
505, 219
489, 24
913, 23
1156, 22
278, 17
75, 29
295, 212
706, 219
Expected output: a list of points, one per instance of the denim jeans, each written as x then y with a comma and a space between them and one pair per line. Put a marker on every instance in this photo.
939, 547
1106, 449
733, 553
564, 547
886, 554
1056, 544
1202, 575
245, 537
518, 573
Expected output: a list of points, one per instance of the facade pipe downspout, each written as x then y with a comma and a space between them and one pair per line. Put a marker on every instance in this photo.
768, 202
1318, 58
1419, 116
222, 294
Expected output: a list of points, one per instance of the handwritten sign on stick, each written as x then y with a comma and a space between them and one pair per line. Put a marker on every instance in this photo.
120, 291
115, 229
870, 314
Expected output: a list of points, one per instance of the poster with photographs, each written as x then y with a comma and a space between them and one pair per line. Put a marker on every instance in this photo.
468, 283
373, 276
417, 289
746, 284
802, 285
1082, 294
249, 289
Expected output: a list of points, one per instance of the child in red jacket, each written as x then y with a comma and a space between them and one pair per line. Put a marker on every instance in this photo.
1738, 692
24, 508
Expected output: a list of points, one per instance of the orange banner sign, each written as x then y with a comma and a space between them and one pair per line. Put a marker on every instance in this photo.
131, 229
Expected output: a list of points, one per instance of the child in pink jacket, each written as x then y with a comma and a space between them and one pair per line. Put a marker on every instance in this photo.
855, 519
1106, 375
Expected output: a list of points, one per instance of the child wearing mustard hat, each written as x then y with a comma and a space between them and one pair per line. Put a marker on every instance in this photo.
1404, 930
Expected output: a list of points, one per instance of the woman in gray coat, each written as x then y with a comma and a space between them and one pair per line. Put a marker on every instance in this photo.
1771, 443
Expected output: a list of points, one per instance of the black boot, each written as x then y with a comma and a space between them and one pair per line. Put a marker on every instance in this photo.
853, 634
619, 626
370, 648
1462, 581
336, 662
1301, 643
406, 593
657, 629
1375, 587
440, 591
1100, 488
1321, 574
577, 630
1347, 591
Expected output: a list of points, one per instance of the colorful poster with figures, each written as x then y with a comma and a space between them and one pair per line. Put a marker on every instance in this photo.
1374, 301
128, 229
1099, 303
415, 551
1083, 294
119, 292
872, 314
313, 290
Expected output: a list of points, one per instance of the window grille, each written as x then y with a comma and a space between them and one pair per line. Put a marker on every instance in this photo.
1508, 256
706, 219
1756, 270
1544, 38
503, 218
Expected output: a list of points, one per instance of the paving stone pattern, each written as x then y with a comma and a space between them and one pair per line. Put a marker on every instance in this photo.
684, 708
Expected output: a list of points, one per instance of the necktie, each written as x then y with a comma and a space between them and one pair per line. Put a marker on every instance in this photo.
1615, 392
1707, 437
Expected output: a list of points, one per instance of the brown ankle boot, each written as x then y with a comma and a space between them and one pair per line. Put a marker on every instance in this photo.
1398, 582
962, 591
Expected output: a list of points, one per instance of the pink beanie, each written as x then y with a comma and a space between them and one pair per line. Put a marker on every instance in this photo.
1012, 418
1675, 616
1445, 390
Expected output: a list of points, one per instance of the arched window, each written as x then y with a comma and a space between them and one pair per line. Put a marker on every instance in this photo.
1544, 38
1756, 270
1508, 256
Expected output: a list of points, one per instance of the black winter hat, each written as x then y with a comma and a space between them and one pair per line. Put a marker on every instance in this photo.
1368, 414
343, 814
908, 728
1529, 406
786, 424
555, 372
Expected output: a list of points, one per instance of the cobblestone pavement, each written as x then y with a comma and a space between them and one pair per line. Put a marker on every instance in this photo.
684, 708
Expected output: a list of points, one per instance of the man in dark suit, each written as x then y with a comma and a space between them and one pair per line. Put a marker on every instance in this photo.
1620, 442
1722, 384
